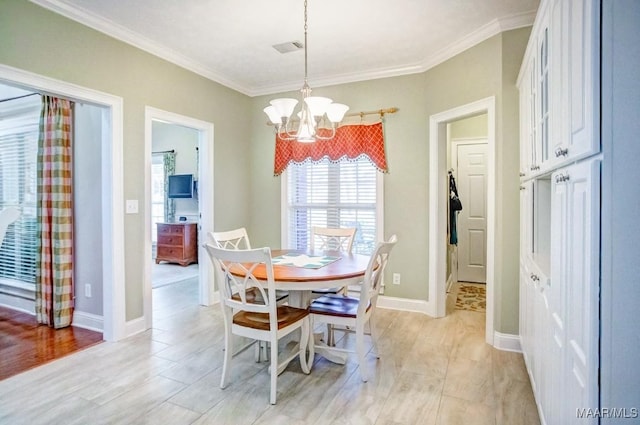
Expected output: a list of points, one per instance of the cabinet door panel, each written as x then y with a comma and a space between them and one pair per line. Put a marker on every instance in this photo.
557, 290
583, 77
582, 242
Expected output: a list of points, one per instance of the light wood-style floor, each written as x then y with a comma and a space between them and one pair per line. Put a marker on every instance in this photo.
430, 371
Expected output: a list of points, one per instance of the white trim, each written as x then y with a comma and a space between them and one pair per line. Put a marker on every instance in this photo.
113, 247
135, 326
284, 208
403, 304
449, 281
114, 30
205, 203
507, 342
380, 207
476, 37
18, 303
93, 322
133, 38
437, 214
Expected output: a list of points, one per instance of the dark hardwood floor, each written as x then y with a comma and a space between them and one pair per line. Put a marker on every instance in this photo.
24, 344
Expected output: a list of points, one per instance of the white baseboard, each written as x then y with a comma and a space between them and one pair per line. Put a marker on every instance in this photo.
135, 326
18, 303
404, 304
507, 342
90, 321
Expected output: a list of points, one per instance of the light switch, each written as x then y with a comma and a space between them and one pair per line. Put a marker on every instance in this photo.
132, 206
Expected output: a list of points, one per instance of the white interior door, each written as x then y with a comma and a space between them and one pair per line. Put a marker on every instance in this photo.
471, 181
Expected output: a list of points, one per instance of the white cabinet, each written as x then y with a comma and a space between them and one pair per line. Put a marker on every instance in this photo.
575, 48
576, 281
560, 208
559, 87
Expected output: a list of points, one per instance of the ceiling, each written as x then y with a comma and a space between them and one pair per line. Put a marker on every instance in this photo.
230, 41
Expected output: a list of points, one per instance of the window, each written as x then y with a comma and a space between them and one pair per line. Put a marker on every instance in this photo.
326, 194
18, 169
157, 194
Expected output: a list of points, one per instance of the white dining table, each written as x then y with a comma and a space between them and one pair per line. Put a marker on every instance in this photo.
348, 269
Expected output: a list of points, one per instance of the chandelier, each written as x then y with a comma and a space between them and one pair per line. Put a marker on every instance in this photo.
314, 111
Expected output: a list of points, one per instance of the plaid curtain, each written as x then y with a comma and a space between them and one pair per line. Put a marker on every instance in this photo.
169, 161
54, 258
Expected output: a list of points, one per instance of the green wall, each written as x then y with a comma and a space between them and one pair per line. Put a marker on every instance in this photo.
488, 69
40, 41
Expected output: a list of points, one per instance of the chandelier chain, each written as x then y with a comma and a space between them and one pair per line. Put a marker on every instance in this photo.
305, 41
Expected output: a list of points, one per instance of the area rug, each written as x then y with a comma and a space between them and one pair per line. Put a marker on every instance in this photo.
471, 296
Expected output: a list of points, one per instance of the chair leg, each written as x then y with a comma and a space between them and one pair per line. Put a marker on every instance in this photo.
312, 344
330, 336
274, 371
257, 351
305, 332
360, 351
228, 355
374, 339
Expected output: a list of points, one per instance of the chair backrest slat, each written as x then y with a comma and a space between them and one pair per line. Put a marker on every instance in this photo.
231, 239
332, 239
235, 275
374, 273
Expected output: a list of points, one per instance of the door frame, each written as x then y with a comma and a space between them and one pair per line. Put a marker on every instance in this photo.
112, 191
207, 296
454, 143
438, 187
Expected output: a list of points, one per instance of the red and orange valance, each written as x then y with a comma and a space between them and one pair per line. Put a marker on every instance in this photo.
350, 141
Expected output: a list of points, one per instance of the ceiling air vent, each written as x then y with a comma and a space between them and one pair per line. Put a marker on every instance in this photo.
290, 46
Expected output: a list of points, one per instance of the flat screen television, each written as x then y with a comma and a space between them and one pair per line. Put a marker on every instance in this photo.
180, 186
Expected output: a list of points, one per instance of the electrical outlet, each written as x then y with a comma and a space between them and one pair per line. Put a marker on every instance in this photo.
132, 206
87, 290
396, 278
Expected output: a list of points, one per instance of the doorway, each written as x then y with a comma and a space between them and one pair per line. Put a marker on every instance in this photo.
468, 169
438, 190
162, 131
112, 320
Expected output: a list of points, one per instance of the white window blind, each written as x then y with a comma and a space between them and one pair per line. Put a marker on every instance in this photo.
18, 169
329, 194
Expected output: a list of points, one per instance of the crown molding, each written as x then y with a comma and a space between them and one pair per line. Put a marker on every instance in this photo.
487, 31
135, 39
130, 37
483, 33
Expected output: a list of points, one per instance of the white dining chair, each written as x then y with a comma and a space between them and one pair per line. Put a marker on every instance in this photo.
355, 313
7, 216
239, 239
331, 239
265, 321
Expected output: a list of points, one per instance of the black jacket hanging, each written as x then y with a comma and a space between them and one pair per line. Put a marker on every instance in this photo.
454, 201
454, 206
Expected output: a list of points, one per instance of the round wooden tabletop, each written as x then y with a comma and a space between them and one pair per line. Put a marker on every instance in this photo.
346, 270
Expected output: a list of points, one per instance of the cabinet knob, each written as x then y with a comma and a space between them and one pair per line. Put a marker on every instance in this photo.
562, 152
522, 174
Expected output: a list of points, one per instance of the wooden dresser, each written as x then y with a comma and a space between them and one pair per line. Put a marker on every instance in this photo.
177, 243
